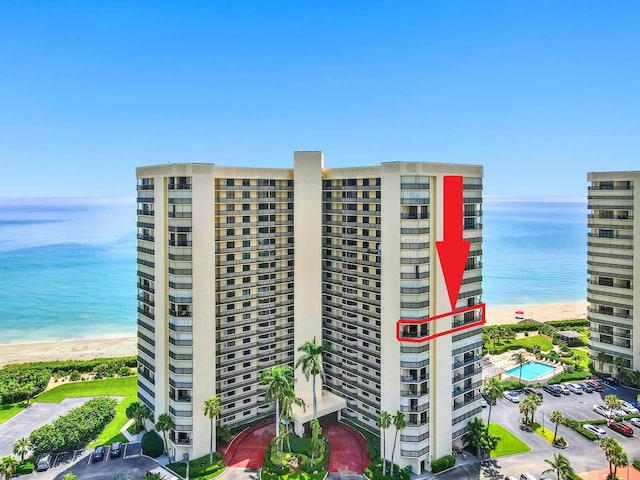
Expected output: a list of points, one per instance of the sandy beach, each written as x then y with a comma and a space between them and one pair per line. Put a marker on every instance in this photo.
82, 349
540, 313
86, 349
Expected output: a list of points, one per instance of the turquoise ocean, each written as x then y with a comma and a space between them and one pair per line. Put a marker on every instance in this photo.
68, 266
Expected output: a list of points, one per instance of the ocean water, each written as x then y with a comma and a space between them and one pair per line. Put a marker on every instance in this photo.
67, 269
67, 266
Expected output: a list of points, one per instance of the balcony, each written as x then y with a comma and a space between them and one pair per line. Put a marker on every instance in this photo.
180, 243
412, 379
179, 186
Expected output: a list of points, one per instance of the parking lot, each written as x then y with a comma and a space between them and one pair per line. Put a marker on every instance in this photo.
585, 455
130, 463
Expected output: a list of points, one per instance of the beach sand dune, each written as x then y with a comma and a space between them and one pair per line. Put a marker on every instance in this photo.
90, 348
81, 349
541, 313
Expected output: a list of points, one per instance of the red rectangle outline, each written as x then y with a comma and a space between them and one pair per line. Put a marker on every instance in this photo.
480, 306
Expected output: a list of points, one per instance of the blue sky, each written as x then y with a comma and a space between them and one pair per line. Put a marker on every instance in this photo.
538, 92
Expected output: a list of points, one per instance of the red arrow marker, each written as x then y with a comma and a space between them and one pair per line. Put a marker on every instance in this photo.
453, 250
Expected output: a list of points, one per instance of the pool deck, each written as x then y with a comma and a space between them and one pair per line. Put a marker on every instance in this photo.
504, 362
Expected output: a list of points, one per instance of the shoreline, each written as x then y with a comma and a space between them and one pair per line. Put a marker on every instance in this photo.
126, 345
70, 349
541, 312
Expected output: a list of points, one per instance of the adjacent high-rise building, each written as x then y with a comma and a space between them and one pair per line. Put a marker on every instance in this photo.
613, 252
237, 267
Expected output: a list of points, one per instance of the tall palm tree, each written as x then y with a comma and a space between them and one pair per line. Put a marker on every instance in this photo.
612, 402
165, 424
21, 447
601, 358
384, 422
520, 360
8, 466
561, 466
399, 423
288, 400
609, 446
535, 401
619, 459
493, 389
311, 364
279, 381
557, 418
525, 407
212, 409
139, 412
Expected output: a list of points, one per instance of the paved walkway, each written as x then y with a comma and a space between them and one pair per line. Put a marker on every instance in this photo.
35, 416
348, 449
248, 449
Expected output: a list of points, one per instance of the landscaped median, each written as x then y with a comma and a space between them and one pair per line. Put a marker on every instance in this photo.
200, 468
509, 444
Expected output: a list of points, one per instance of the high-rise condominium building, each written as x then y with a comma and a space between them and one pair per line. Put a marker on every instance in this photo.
237, 267
613, 250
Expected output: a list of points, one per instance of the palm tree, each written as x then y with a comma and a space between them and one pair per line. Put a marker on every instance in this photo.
535, 401
165, 424
139, 412
557, 418
493, 390
619, 459
212, 410
69, 476
612, 402
399, 423
21, 447
526, 407
601, 358
560, 465
8, 466
520, 360
288, 400
609, 447
279, 381
618, 362
384, 422
311, 364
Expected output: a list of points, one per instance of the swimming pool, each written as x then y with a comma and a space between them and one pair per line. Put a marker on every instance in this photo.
530, 370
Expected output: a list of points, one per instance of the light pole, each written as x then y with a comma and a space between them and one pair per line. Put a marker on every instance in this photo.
542, 420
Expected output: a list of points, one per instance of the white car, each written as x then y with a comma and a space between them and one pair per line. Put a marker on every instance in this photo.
635, 422
601, 409
627, 407
564, 389
597, 431
575, 388
512, 397
483, 402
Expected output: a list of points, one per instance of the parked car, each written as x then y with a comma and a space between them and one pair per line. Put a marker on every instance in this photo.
575, 388
564, 389
586, 387
528, 476
621, 427
635, 422
512, 396
552, 390
609, 380
116, 450
510, 477
601, 410
98, 454
531, 390
627, 407
43, 463
483, 402
597, 431
595, 384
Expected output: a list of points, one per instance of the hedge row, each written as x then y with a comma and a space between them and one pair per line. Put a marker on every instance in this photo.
75, 429
374, 471
443, 463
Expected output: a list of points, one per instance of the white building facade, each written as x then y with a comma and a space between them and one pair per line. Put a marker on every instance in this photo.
237, 267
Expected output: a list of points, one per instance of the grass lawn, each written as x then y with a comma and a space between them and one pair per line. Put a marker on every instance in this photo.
581, 357
548, 432
200, 468
9, 410
126, 387
543, 342
508, 444
293, 476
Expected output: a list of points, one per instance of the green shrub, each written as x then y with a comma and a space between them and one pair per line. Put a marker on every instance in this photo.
75, 429
19, 382
636, 463
75, 375
224, 434
443, 463
586, 433
152, 444
199, 467
567, 324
